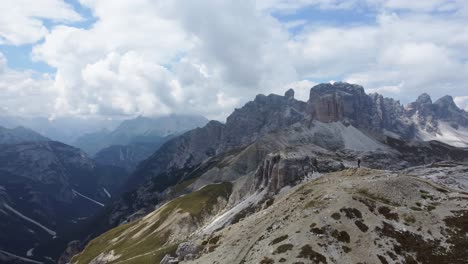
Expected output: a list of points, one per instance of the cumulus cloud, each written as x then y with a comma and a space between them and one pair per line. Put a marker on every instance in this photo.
21, 21
462, 102
207, 57
161, 57
21, 93
400, 54
301, 89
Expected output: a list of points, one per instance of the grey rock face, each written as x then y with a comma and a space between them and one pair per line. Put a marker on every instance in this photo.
340, 102
187, 251
447, 110
349, 103
289, 94
169, 260
261, 116
278, 171
74, 247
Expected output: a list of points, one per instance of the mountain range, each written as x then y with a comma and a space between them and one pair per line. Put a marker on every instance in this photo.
135, 139
63, 129
277, 183
228, 190
48, 191
19, 135
51, 191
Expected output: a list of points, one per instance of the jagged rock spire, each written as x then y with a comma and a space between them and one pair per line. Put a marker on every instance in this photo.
424, 99
289, 94
447, 102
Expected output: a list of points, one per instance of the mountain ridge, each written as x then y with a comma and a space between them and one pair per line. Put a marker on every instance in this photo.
374, 135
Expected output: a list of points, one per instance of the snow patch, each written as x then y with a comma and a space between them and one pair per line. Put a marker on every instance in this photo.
20, 258
227, 216
51, 232
447, 134
106, 257
86, 197
107, 193
29, 253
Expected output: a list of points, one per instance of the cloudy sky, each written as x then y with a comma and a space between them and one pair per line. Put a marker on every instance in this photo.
115, 58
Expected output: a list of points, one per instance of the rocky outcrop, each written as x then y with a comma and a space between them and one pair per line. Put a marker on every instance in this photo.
340, 102
288, 169
261, 116
447, 110
74, 247
187, 251
278, 171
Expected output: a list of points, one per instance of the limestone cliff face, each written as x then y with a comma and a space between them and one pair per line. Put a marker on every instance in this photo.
278, 171
340, 102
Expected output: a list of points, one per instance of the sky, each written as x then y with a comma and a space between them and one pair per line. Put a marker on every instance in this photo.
123, 58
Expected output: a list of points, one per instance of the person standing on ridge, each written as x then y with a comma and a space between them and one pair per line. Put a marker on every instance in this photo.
359, 163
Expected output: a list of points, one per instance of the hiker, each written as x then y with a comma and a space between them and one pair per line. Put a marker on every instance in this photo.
359, 163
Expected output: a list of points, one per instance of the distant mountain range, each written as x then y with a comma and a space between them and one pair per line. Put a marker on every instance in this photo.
19, 135
48, 190
210, 178
63, 129
139, 130
136, 139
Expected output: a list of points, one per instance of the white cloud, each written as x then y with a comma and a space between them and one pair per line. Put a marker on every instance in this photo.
156, 57
462, 102
23, 94
21, 20
301, 89
181, 60
400, 55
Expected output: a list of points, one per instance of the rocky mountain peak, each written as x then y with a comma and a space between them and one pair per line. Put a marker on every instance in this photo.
447, 103
289, 94
424, 99
337, 87
340, 102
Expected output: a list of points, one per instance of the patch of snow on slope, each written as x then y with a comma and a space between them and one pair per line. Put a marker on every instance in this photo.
447, 134
106, 257
107, 193
51, 232
227, 216
29, 253
86, 197
19, 257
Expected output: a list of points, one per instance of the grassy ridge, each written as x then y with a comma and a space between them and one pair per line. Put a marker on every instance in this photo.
150, 245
